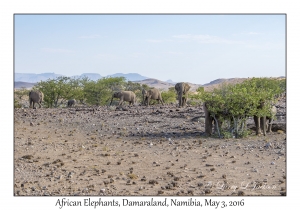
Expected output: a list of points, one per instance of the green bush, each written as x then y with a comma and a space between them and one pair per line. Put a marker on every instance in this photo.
235, 103
169, 96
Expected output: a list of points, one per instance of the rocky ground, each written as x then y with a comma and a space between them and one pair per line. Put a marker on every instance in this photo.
156, 150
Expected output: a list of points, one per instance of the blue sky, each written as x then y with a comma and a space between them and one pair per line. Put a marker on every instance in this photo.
191, 48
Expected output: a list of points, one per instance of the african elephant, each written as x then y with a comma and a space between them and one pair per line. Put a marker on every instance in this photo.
124, 96
35, 96
182, 89
71, 102
264, 123
209, 120
153, 94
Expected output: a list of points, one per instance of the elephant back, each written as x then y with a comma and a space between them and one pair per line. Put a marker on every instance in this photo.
36, 95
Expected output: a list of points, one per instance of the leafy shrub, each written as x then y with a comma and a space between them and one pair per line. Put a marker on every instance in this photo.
169, 96
235, 103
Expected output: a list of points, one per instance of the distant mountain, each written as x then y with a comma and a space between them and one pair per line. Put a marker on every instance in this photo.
161, 85
33, 78
155, 83
91, 76
170, 81
129, 76
230, 80
27, 85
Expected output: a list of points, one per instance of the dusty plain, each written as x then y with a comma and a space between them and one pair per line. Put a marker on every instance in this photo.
141, 151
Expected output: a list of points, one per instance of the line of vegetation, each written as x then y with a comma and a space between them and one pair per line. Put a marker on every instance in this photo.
58, 91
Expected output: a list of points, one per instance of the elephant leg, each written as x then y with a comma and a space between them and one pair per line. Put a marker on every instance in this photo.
270, 122
111, 101
161, 101
183, 101
121, 101
148, 100
257, 125
263, 124
180, 101
217, 124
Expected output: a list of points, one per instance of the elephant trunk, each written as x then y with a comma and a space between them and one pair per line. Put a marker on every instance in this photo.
180, 97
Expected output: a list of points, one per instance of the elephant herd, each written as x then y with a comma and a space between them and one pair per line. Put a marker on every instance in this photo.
129, 96
182, 88
36, 96
152, 94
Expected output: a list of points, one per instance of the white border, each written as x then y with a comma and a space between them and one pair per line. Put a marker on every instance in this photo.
10, 7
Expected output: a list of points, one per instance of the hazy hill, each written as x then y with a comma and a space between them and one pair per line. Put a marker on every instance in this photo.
222, 80
216, 83
129, 76
28, 80
91, 76
164, 85
27, 85
170, 81
33, 78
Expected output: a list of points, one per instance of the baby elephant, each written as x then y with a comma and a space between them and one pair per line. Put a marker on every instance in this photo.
124, 96
35, 96
152, 94
71, 102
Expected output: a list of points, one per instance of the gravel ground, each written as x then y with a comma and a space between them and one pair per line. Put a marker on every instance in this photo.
155, 150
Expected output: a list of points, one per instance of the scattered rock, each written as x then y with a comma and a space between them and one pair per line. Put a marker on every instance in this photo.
241, 193
27, 157
160, 192
207, 191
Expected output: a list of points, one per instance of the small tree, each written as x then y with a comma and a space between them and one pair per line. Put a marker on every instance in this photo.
55, 90
100, 92
169, 96
235, 103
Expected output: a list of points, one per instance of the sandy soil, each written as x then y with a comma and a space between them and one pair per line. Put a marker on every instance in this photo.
157, 150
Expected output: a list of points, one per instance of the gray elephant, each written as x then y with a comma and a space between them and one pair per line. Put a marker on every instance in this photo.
35, 96
124, 96
71, 102
264, 124
153, 94
182, 89
209, 120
